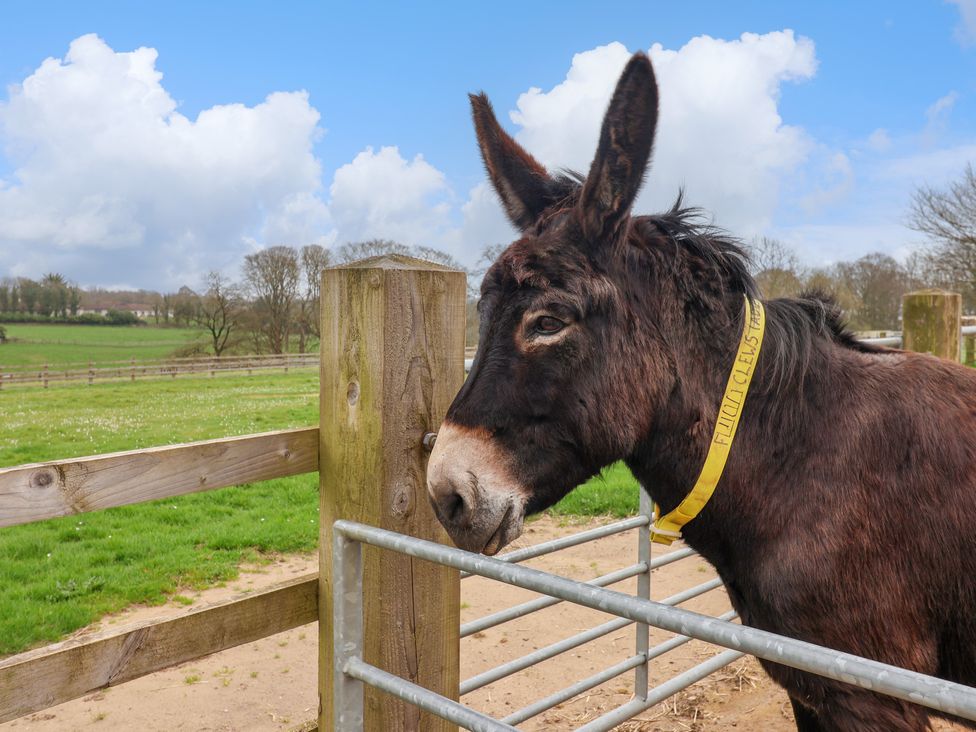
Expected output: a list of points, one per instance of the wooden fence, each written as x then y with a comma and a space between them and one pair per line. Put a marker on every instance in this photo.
153, 369
394, 362
393, 355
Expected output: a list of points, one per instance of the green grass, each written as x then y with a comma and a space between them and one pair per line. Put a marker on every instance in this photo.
57, 576
37, 343
614, 492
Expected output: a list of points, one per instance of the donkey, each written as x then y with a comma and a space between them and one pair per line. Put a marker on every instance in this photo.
846, 511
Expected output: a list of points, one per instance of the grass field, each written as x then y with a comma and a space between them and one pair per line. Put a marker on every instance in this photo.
37, 343
59, 575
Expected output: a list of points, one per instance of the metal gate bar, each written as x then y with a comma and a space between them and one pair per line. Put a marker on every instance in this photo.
565, 542
423, 698
518, 611
659, 693
543, 654
538, 707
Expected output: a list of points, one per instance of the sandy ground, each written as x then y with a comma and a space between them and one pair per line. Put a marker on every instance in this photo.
270, 684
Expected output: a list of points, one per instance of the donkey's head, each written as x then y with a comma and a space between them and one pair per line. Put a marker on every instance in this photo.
547, 404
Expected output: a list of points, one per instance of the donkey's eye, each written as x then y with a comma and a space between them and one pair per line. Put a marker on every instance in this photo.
548, 325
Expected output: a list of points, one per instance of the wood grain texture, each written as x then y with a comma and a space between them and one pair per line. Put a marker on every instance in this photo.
392, 361
59, 488
54, 674
931, 322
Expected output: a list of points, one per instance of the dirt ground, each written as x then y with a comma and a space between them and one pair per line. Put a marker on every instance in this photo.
271, 684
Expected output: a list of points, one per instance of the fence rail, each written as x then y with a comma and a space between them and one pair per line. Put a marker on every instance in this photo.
35, 680
62, 487
152, 369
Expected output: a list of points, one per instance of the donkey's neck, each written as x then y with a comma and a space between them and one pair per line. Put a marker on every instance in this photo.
669, 458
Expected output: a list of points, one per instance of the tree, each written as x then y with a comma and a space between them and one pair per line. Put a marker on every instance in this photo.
775, 267
436, 255
829, 282
185, 305
167, 302
29, 294
54, 294
878, 282
948, 217
313, 260
272, 275
370, 248
74, 299
218, 311
5, 298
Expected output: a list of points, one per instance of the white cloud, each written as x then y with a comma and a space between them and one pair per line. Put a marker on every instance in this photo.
382, 195
485, 224
879, 140
966, 29
720, 134
111, 183
822, 244
837, 176
937, 117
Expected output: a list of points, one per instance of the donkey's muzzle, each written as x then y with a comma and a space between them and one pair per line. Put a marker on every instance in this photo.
471, 492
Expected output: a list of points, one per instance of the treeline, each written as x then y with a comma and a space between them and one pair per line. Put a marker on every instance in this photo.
52, 297
275, 306
870, 289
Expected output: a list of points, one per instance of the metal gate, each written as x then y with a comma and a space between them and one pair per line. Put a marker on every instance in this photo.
352, 672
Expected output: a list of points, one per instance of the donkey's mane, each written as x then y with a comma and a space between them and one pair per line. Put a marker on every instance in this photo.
794, 325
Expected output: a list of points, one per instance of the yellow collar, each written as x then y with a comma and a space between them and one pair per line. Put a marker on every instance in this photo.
668, 528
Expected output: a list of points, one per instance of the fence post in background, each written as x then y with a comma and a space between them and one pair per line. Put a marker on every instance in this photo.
133, 362
91, 373
392, 361
45, 376
969, 342
931, 322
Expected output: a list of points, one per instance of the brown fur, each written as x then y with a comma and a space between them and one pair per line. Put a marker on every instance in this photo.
846, 513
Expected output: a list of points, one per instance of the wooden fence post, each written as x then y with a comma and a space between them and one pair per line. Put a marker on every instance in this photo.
968, 345
931, 320
392, 361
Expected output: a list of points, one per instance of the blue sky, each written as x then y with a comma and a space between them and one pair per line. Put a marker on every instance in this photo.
835, 125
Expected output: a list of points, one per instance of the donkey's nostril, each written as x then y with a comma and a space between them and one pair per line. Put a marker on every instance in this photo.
454, 507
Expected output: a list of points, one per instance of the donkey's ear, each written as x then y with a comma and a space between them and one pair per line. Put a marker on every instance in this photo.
621, 157
520, 180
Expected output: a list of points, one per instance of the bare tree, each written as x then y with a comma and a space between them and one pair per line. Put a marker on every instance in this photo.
877, 281
776, 268
826, 281
313, 260
219, 311
370, 248
272, 275
436, 255
948, 218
